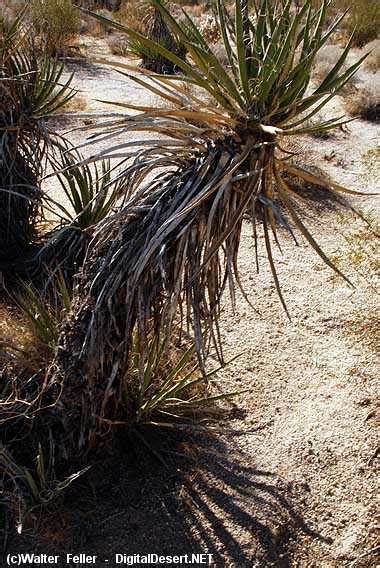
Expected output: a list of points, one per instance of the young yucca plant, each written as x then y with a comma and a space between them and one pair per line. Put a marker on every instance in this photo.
91, 195
45, 310
171, 250
30, 90
166, 387
26, 489
158, 31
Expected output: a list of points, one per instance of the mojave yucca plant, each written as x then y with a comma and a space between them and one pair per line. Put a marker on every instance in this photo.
31, 89
158, 31
170, 251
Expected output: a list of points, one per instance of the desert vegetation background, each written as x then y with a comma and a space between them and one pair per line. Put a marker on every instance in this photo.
265, 454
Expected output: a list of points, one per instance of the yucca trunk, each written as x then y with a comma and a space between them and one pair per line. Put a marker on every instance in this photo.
165, 259
170, 253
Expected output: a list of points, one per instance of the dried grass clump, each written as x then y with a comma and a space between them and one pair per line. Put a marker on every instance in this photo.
118, 45
363, 19
209, 28
364, 100
133, 14
360, 254
372, 63
57, 24
79, 103
18, 348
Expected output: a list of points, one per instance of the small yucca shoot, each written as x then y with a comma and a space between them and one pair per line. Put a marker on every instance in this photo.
170, 389
45, 310
91, 195
26, 488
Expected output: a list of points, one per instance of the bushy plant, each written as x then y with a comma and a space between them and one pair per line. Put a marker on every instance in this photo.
56, 22
132, 14
363, 19
363, 100
372, 63
30, 90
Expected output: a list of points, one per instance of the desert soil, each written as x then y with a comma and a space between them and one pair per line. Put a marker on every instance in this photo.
290, 478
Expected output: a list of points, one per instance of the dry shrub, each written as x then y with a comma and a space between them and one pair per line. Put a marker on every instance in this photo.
209, 28
97, 28
363, 101
372, 63
18, 347
78, 103
118, 45
132, 14
363, 18
6, 15
57, 24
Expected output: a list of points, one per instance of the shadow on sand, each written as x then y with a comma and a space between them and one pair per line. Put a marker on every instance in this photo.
198, 497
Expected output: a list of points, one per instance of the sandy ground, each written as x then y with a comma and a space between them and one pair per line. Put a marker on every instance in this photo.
292, 481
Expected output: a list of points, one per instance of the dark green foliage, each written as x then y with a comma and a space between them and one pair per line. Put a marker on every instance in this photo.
29, 91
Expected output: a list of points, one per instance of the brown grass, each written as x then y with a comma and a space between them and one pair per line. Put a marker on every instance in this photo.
372, 63
363, 101
132, 14
18, 345
363, 17
79, 103
118, 45
56, 23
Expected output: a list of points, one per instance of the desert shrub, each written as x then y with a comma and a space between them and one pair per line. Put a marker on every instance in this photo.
372, 63
118, 45
359, 254
157, 31
57, 24
132, 14
363, 19
363, 100
208, 27
97, 28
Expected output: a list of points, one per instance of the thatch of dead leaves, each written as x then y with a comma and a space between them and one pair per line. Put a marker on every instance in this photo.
171, 250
